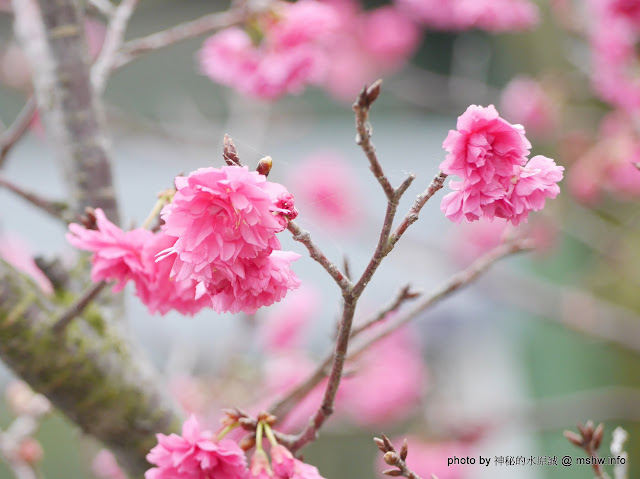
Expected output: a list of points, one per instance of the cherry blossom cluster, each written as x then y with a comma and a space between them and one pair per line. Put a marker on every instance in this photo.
489, 155
217, 247
279, 52
198, 454
332, 43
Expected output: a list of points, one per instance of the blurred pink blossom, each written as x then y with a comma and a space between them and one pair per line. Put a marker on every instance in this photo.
105, 466
490, 15
15, 252
609, 165
430, 458
194, 454
328, 189
366, 46
285, 325
278, 54
525, 101
376, 394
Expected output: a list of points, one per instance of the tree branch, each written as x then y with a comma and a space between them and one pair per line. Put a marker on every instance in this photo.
200, 26
405, 294
304, 237
412, 216
18, 128
54, 208
54, 41
282, 407
91, 372
112, 42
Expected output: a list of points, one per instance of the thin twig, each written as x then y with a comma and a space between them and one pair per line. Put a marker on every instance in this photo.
305, 238
363, 138
112, 42
405, 294
467, 276
183, 31
17, 129
78, 307
394, 458
455, 283
412, 216
56, 209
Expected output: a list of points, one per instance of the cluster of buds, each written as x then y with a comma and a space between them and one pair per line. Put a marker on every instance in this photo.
395, 458
589, 439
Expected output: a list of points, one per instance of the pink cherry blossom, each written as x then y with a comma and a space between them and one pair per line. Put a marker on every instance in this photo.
121, 256
260, 467
489, 155
157, 290
490, 15
249, 284
194, 455
281, 53
525, 101
282, 461
484, 147
537, 181
220, 215
117, 254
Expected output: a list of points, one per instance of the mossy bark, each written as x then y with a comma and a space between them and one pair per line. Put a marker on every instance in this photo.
91, 372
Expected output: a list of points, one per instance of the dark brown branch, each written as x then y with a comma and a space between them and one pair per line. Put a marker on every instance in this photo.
194, 28
54, 208
78, 307
304, 237
310, 432
18, 128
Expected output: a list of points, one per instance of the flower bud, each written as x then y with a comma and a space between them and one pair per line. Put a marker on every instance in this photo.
264, 166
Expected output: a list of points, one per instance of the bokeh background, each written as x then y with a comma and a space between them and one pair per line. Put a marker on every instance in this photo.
541, 342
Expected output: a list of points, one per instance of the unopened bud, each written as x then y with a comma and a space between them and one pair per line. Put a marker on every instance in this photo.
247, 442
391, 458
597, 436
30, 451
230, 152
392, 472
380, 444
404, 450
573, 438
264, 166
